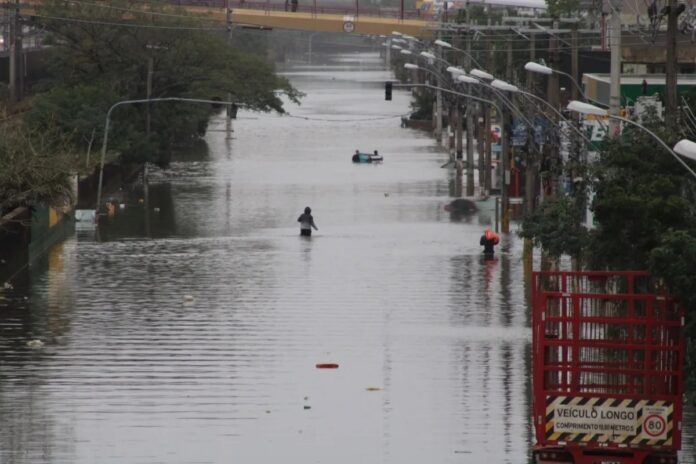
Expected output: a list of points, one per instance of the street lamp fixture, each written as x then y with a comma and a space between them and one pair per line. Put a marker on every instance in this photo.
538, 68
481, 74
586, 108
464, 79
397, 33
685, 149
405, 52
455, 71
411, 66
504, 86
396, 47
443, 44
428, 55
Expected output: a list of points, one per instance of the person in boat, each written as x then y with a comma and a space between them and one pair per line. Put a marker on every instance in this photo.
488, 241
376, 154
356, 156
306, 221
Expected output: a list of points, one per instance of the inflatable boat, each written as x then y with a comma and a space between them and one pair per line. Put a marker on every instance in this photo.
367, 158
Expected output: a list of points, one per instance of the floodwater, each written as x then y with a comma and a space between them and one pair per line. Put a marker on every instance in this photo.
187, 329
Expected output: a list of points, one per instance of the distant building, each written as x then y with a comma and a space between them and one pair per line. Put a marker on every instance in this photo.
633, 86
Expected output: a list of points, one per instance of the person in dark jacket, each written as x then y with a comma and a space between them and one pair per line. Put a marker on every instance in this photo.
488, 241
306, 222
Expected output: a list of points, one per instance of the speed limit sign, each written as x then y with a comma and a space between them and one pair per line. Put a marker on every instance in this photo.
654, 426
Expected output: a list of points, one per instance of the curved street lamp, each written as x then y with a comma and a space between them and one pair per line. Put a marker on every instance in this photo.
443, 44
129, 102
482, 75
432, 71
539, 68
685, 147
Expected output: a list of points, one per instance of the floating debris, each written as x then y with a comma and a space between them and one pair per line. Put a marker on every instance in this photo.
35, 343
327, 366
373, 389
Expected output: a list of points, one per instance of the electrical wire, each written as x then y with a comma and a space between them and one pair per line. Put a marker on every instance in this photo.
381, 118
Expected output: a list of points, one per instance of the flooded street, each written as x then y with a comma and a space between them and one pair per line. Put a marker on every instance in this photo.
188, 328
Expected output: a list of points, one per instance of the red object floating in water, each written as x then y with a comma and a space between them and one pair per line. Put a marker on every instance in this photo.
327, 366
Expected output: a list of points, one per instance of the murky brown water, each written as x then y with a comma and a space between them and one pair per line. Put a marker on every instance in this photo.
432, 342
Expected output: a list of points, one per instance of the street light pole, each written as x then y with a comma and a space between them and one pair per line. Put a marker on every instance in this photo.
128, 102
615, 80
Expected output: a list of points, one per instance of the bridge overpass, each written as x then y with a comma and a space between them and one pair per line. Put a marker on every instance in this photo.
306, 17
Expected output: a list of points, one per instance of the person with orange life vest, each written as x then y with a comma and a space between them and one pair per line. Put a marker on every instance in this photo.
489, 240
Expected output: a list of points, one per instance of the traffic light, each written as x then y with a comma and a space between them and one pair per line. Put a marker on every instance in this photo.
387, 90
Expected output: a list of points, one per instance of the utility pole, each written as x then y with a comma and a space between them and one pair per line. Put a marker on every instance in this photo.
615, 78
15, 31
457, 121
388, 53
490, 64
550, 151
438, 104
469, 113
531, 169
228, 118
574, 60
532, 166
671, 65
146, 185
505, 159
459, 132
150, 71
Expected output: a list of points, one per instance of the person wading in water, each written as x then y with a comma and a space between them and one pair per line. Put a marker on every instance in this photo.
306, 222
488, 241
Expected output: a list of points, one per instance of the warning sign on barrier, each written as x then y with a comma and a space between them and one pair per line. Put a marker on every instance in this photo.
595, 416
655, 422
609, 420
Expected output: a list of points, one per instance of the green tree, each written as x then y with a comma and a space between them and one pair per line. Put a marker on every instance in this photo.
101, 56
559, 8
555, 226
641, 193
34, 168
